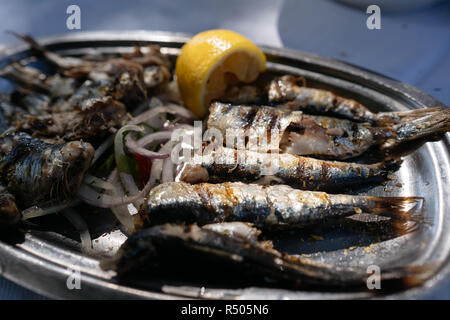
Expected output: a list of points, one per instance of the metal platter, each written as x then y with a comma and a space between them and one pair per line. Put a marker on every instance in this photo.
42, 259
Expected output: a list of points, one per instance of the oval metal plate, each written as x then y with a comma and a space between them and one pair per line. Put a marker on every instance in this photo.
44, 260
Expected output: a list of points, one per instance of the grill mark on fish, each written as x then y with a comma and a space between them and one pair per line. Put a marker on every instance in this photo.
316, 135
249, 118
297, 171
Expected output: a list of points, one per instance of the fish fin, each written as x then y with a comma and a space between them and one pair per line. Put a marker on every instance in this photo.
424, 125
386, 119
29, 40
391, 165
406, 212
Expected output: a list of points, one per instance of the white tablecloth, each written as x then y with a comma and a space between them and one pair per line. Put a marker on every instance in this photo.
411, 46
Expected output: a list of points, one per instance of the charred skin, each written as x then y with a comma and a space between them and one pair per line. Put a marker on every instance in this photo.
156, 65
290, 93
134, 73
100, 116
298, 133
268, 207
35, 171
316, 101
201, 248
320, 136
296, 171
9, 213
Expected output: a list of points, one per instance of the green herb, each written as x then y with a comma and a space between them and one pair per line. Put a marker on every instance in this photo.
149, 127
124, 164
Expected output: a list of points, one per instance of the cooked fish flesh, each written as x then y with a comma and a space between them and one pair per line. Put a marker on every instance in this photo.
268, 207
241, 230
320, 136
305, 173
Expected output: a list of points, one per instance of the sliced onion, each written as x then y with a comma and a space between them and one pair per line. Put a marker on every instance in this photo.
157, 166
128, 183
175, 126
102, 148
167, 171
95, 198
98, 183
81, 226
134, 147
118, 140
119, 153
170, 108
98, 199
122, 213
46, 208
154, 138
180, 111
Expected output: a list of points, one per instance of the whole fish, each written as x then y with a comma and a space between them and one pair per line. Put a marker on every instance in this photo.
286, 89
26, 77
321, 136
290, 93
269, 207
204, 251
34, 171
98, 116
226, 164
125, 79
143, 69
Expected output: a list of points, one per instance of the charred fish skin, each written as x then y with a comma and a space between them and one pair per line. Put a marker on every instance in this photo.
298, 133
9, 213
268, 207
95, 120
296, 171
286, 90
291, 93
161, 246
324, 137
36, 171
151, 246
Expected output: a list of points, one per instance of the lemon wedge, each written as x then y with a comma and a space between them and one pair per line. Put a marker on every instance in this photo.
212, 60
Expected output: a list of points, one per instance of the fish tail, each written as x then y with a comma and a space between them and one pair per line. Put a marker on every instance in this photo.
419, 125
390, 165
386, 119
29, 40
405, 213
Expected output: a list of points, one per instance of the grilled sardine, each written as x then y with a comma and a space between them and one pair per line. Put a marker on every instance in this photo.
226, 164
268, 207
320, 136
